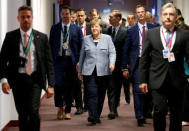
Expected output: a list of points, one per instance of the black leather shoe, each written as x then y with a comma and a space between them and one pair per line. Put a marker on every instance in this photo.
148, 115
79, 111
92, 120
111, 115
141, 121
98, 120
116, 114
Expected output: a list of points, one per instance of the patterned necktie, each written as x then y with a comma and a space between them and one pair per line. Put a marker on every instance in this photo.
143, 34
29, 62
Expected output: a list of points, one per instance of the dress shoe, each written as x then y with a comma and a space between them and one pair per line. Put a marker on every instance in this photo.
98, 120
111, 115
67, 116
79, 111
60, 114
116, 114
148, 115
141, 121
92, 120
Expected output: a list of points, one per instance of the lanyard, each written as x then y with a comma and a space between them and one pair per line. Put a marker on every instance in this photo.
140, 33
169, 41
26, 48
66, 36
84, 31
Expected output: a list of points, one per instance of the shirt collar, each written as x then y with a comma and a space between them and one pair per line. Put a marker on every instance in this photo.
116, 28
68, 25
165, 30
28, 32
140, 25
83, 25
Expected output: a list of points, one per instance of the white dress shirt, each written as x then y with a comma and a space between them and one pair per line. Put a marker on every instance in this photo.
22, 54
32, 51
140, 36
83, 28
116, 30
165, 34
68, 53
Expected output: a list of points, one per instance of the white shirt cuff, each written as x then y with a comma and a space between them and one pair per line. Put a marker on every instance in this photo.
4, 80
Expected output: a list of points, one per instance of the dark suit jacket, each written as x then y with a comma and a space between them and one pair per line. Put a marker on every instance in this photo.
9, 57
131, 48
88, 29
160, 67
118, 43
75, 40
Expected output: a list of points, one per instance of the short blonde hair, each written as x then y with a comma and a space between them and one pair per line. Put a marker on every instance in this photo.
96, 21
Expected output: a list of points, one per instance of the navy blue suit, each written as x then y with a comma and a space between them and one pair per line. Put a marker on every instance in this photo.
65, 66
131, 57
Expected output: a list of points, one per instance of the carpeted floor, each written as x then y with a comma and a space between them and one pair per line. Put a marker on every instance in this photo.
125, 122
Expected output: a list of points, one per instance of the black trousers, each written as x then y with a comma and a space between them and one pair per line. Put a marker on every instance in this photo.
186, 106
65, 80
115, 90
126, 86
96, 89
167, 97
27, 93
78, 93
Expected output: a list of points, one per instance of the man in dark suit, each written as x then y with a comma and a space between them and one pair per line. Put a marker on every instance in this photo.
118, 34
65, 41
164, 49
25, 63
131, 55
86, 30
131, 21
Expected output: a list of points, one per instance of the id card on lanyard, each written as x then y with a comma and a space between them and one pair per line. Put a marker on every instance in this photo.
65, 41
26, 48
167, 54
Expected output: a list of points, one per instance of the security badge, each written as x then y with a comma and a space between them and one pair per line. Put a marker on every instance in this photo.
168, 55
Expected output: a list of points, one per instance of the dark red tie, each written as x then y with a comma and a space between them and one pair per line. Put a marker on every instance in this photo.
143, 34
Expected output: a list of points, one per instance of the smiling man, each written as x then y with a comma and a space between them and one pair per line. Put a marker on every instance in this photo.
164, 50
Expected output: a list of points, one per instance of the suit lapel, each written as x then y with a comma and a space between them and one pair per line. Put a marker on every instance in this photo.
177, 39
136, 33
17, 41
159, 39
70, 32
36, 41
118, 34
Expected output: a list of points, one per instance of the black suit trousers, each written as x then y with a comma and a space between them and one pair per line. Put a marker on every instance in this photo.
27, 94
66, 74
167, 97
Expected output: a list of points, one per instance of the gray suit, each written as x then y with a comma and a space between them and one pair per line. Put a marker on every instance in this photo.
100, 56
94, 62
